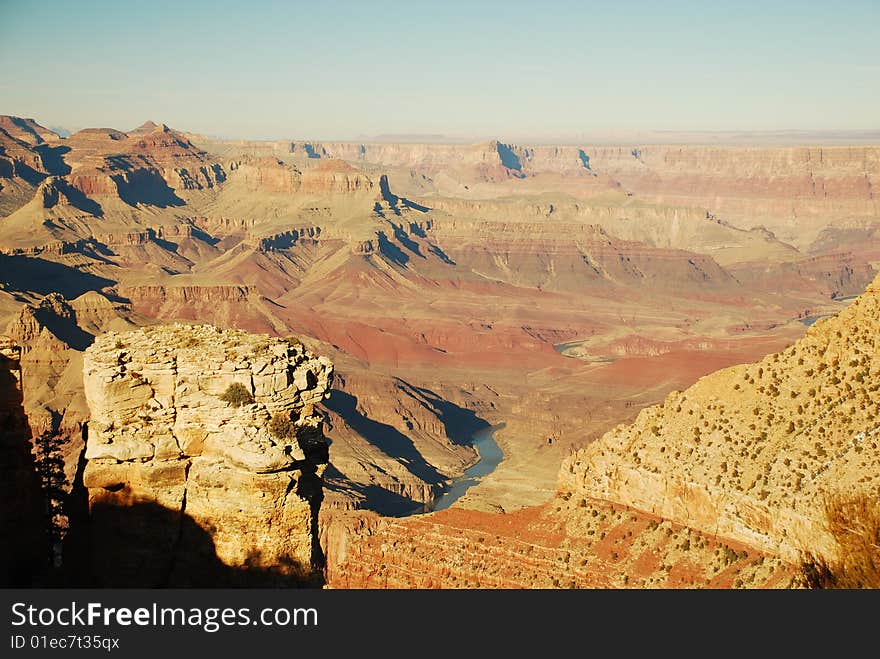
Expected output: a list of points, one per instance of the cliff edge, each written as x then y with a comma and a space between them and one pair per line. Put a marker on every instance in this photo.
204, 457
750, 452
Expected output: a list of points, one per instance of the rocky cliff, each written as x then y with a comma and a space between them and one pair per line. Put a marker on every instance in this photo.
203, 443
750, 451
23, 540
51, 333
27, 130
578, 543
796, 191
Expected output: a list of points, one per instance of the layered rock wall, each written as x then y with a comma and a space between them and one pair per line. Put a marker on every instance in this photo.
188, 488
750, 452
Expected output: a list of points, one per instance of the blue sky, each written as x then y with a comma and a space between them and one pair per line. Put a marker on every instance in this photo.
335, 70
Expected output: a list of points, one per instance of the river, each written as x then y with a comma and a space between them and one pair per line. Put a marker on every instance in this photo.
809, 321
491, 456
564, 349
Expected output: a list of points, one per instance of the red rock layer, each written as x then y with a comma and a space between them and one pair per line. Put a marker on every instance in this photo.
583, 544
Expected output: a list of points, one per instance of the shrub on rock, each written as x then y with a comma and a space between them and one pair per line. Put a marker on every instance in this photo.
237, 394
281, 427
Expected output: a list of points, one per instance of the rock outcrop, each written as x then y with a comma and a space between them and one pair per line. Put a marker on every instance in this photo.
27, 130
211, 435
750, 451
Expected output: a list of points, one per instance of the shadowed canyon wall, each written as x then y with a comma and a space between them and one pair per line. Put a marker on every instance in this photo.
24, 542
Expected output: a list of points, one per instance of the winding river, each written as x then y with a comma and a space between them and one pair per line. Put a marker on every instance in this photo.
565, 349
490, 457
809, 321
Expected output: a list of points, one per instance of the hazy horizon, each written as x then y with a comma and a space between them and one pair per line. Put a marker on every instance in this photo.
784, 137
458, 73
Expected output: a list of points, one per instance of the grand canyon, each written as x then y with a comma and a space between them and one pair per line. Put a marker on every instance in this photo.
392, 364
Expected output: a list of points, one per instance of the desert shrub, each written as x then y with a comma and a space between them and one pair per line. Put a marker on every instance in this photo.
281, 427
730, 556
237, 394
119, 344
854, 523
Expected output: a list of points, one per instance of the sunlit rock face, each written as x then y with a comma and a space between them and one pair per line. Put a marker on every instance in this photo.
752, 451
203, 441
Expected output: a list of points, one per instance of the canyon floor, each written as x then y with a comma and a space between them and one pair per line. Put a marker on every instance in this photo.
557, 290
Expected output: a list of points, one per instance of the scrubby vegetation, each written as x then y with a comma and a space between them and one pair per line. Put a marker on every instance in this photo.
281, 427
237, 394
854, 523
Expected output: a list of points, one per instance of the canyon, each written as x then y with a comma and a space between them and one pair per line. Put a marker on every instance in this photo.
551, 291
762, 443
724, 484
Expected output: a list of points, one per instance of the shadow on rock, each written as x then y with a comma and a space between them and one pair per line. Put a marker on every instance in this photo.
388, 439
146, 545
25, 273
24, 542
